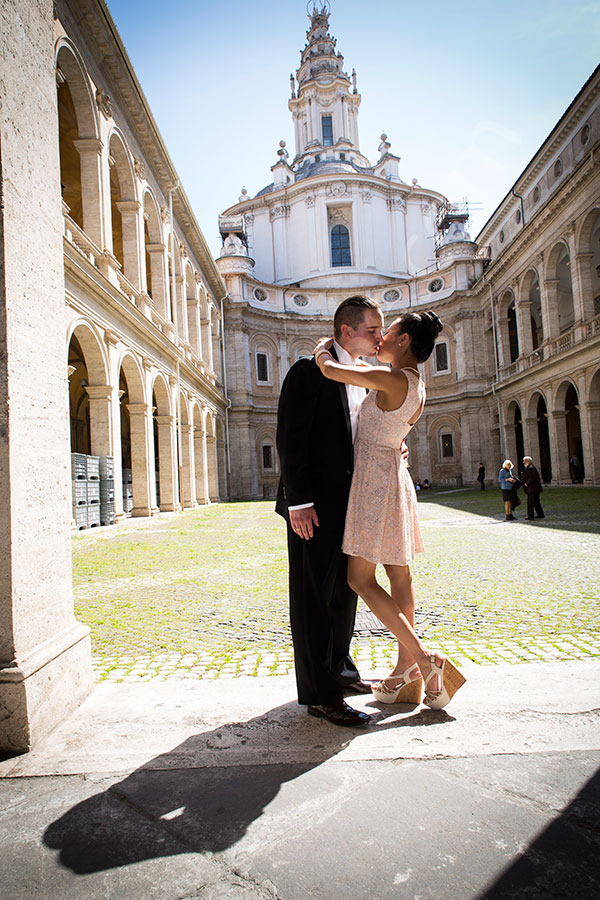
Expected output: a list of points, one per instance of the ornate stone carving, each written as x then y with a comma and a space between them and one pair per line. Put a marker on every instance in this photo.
197, 278
164, 214
104, 103
338, 188
367, 196
338, 216
310, 200
425, 207
140, 168
249, 219
281, 211
396, 203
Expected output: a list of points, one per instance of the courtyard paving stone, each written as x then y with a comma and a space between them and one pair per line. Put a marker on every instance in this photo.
203, 594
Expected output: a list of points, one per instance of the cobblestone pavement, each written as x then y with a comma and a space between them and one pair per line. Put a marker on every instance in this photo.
203, 594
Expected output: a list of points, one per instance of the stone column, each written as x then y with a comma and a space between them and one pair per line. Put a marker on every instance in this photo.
549, 299
583, 294
101, 433
211, 453
523, 311
531, 439
158, 271
193, 312
189, 475
181, 308
200, 462
590, 426
90, 156
140, 424
167, 456
557, 427
45, 661
129, 210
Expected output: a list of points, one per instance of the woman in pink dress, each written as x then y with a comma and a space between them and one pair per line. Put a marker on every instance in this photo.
382, 524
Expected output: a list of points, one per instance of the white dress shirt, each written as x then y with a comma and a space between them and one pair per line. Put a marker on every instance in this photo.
355, 395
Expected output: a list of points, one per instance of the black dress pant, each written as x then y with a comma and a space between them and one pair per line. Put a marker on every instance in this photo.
533, 502
322, 613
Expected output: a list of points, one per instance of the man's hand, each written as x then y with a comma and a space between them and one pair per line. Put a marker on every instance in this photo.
304, 521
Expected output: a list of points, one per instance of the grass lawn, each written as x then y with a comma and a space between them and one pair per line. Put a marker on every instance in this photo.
214, 580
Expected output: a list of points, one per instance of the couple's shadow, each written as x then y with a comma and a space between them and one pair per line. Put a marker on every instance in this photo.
201, 796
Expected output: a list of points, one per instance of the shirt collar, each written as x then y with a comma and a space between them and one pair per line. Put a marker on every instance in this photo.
343, 356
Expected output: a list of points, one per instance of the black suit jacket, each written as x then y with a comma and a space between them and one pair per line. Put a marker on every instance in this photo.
531, 480
314, 442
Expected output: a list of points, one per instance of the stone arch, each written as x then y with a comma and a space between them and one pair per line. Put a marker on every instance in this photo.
300, 346
90, 395
566, 433
192, 309
530, 293
267, 461
79, 144
592, 420
163, 426
124, 209
200, 453
445, 450
154, 253
211, 455
588, 262
188, 477
560, 286
515, 434
509, 333
537, 433
134, 437
221, 457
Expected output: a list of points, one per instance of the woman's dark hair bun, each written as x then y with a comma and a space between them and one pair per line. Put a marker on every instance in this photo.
433, 320
423, 329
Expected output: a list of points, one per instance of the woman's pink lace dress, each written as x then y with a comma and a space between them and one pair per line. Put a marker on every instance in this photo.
382, 523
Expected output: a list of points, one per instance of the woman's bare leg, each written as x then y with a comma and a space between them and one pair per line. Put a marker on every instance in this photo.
390, 609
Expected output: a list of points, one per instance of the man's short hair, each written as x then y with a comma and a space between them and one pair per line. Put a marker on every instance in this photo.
527, 458
351, 311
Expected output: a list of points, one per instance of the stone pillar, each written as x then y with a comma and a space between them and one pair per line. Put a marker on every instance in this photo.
559, 450
45, 661
200, 461
193, 313
181, 308
158, 272
549, 299
140, 425
90, 155
211, 465
167, 456
189, 474
100, 399
531, 439
129, 210
583, 294
523, 311
590, 425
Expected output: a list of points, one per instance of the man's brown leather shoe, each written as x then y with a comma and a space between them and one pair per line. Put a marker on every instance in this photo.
340, 714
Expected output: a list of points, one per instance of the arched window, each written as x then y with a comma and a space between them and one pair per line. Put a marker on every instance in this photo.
441, 358
340, 246
513, 335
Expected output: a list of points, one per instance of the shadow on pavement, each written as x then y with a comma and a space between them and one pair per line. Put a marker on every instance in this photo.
175, 805
564, 860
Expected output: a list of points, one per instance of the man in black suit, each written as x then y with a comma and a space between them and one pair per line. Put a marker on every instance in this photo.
532, 484
316, 425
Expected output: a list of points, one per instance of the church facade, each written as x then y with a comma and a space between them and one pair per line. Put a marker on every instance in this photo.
517, 367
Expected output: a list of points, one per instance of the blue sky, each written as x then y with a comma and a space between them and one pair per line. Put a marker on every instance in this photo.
465, 91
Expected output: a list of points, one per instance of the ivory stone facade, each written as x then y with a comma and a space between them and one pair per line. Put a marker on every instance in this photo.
517, 367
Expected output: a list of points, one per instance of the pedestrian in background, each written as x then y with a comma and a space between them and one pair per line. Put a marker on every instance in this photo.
507, 481
481, 476
532, 484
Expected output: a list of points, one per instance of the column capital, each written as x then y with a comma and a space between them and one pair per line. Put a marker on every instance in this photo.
164, 420
155, 248
99, 391
88, 145
137, 409
128, 206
